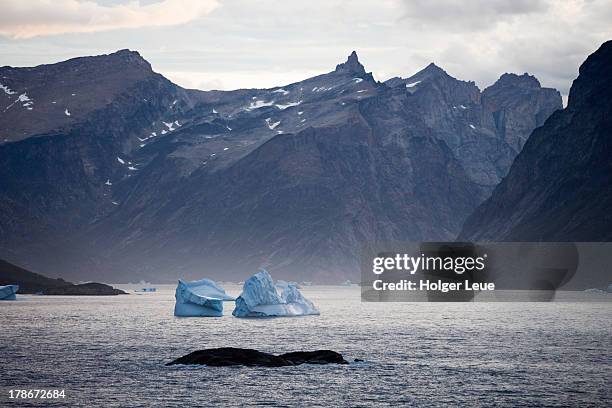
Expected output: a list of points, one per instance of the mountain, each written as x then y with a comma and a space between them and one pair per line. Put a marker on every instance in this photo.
151, 181
560, 185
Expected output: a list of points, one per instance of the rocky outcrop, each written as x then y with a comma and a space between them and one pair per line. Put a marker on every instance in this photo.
30, 282
519, 105
229, 356
560, 185
84, 289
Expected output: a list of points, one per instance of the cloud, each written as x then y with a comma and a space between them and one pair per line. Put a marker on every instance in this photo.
33, 18
468, 15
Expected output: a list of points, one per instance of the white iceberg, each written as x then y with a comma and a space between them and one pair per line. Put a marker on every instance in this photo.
260, 297
8, 292
199, 298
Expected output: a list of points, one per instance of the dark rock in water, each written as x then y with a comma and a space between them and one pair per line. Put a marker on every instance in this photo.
230, 356
314, 357
85, 289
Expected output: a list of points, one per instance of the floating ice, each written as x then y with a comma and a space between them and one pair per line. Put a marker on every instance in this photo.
199, 298
8, 292
260, 298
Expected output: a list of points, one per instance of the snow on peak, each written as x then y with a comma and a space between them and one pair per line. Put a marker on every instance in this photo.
281, 90
300, 112
462, 106
412, 84
288, 105
120, 160
108, 182
66, 112
472, 126
357, 80
132, 168
214, 111
271, 124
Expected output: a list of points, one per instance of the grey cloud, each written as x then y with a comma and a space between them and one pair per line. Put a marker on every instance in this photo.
461, 15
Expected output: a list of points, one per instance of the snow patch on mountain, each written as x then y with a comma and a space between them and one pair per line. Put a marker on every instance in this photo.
288, 105
271, 124
7, 90
258, 104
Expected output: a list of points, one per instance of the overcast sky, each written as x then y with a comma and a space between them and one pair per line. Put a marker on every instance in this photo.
227, 44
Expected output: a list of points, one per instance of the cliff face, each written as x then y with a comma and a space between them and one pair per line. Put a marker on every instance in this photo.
147, 180
560, 185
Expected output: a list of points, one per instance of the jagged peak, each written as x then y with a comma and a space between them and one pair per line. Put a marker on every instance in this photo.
432, 70
524, 81
351, 65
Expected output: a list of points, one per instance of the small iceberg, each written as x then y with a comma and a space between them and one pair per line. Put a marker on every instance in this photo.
8, 292
146, 290
260, 297
199, 298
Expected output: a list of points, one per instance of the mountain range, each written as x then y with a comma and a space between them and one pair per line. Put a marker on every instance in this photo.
112, 172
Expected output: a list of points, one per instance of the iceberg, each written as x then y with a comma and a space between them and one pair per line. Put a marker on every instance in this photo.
8, 292
199, 298
260, 297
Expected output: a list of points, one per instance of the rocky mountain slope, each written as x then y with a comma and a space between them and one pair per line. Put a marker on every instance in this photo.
147, 180
559, 187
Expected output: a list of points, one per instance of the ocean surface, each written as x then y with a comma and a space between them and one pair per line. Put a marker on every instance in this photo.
111, 351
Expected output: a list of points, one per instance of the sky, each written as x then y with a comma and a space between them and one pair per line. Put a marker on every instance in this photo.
229, 44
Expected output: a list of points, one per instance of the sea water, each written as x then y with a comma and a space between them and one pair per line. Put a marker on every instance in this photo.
111, 352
